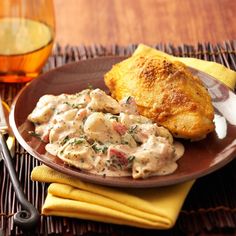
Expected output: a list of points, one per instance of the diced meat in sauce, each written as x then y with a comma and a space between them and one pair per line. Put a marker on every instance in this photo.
95, 133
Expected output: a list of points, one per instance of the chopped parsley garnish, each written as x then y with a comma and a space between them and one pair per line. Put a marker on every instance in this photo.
131, 158
65, 140
104, 149
67, 103
83, 121
108, 162
75, 105
130, 161
90, 86
124, 142
114, 117
79, 105
96, 148
133, 129
127, 101
116, 162
83, 136
34, 134
99, 148
77, 141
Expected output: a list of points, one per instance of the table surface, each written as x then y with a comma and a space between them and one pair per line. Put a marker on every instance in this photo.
210, 207
148, 21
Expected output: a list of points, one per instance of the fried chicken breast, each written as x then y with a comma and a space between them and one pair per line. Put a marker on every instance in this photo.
165, 92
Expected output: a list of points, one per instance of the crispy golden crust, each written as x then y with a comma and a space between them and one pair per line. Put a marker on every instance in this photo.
166, 92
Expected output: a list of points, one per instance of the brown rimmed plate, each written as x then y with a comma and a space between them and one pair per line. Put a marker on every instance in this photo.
200, 158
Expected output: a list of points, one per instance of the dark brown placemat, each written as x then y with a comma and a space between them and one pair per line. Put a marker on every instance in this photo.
210, 206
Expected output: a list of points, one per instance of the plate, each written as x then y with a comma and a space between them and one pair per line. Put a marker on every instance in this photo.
200, 158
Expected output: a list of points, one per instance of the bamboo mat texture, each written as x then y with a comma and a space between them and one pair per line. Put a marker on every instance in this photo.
210, 207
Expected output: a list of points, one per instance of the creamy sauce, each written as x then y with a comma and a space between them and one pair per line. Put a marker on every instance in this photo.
93, 132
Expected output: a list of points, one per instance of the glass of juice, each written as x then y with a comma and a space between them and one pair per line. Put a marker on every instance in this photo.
27, 32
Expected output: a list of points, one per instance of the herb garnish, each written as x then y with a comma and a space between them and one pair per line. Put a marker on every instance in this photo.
133, 129
119, 163
65, 140
74, 105
124, 142
99, 148
77, 141
67, 103
34, 134
114, 117
128, 100
90, 86
130, 161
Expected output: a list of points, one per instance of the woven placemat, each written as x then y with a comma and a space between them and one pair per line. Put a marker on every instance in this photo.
210, 206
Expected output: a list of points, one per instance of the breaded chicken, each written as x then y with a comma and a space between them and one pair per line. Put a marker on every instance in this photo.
165, 92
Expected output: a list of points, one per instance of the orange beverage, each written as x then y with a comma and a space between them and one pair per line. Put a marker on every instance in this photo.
25, 41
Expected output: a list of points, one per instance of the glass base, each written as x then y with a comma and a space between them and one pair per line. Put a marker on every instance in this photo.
14, 78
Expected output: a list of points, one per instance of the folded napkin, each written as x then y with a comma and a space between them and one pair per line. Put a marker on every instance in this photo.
156, 208
146, 208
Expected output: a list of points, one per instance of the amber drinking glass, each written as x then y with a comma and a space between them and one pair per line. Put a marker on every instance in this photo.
27, 32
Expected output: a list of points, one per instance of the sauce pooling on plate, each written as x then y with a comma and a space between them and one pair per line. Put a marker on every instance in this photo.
93, 132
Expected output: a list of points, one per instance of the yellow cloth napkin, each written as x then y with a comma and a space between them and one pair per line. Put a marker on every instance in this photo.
147, 208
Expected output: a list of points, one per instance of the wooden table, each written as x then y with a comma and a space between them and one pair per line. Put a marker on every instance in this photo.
149, 21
